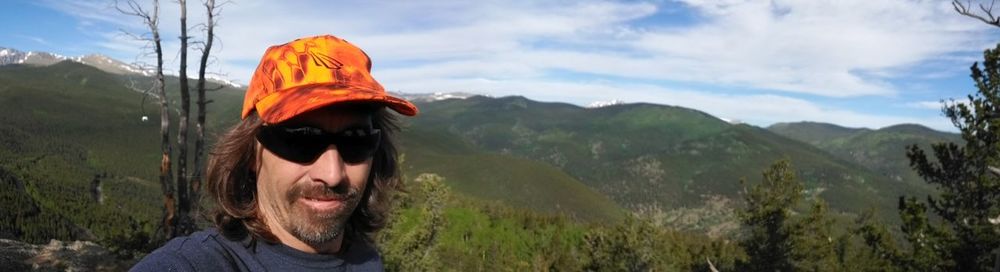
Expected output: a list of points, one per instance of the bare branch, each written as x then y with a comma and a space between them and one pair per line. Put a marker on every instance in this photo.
134, 9
995, 171
710, 265
989, 17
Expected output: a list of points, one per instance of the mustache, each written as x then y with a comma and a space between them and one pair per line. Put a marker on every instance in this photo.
314, 190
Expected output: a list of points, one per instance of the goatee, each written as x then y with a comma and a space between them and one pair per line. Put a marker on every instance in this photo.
314, 227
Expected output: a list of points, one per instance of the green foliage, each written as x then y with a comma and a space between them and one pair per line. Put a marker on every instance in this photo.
925, 240
769, 239
959, 235
776, 240
67, 127
410, 250
434, 230
813, 241
627, 247
636, 244
880, 248
969, 190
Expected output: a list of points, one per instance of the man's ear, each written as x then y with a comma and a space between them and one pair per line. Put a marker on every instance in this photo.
257, 163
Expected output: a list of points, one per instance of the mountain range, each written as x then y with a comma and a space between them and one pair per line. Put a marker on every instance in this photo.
102, 62
880, 150
69, 125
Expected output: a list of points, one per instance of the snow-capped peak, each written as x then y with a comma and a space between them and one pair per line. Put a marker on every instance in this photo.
223, 81
731, 121
429, 97
111, 65
208, 77
600, 104
13, 56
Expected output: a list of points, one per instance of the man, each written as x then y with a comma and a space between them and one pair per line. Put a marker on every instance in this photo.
302, 182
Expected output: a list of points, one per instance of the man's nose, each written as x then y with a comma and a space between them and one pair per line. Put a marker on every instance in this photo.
329, 168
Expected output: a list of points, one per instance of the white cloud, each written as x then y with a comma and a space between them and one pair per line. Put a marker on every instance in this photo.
927, 105
426, 31
829, 48
93, 10
35, 39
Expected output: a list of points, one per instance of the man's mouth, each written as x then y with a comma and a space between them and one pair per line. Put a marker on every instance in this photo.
322, 200
324, 203
325, 198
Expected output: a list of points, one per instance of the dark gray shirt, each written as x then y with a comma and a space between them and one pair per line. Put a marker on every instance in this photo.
210, 251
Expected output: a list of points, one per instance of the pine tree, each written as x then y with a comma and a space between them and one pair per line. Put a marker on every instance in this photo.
768, 243
414, 249
881, 252
627, 246
928, 243
813, 242
966, 176
775, 240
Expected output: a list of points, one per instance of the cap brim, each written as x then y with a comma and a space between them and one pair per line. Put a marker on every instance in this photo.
302, 99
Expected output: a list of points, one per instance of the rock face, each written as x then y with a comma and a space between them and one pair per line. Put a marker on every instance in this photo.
58, 256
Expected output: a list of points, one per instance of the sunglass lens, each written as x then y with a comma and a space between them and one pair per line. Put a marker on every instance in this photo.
290, 144
358, 148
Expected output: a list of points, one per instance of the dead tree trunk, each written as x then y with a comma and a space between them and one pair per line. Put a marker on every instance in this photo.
165, 148
199, 144
151, 20
184, 223
95, 189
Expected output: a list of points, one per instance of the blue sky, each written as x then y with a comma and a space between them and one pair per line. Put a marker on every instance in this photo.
855, 63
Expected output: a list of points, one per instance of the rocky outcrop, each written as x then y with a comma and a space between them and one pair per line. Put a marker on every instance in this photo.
58, 256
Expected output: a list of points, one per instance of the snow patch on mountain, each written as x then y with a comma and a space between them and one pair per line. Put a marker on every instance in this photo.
430, 97
208, 77
601, 104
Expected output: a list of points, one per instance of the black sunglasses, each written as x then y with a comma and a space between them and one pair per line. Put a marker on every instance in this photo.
303, 144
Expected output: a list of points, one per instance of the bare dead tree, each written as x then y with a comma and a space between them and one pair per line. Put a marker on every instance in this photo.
199, 146
987, 11
184, 224
151, 20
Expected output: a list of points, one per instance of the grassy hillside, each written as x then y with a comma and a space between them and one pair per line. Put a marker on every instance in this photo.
66, 127
882, 151
813, 132
517, 181
652, 156
435, 230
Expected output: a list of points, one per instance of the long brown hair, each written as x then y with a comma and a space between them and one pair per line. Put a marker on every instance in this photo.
232, 182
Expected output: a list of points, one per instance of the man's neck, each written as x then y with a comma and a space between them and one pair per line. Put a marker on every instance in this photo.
331, 247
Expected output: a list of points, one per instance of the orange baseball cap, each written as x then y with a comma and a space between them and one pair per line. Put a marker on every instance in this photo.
313, 72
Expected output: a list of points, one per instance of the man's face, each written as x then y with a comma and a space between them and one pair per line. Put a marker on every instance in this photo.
313, 200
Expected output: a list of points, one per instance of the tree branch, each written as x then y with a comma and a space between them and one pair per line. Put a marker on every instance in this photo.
989, 18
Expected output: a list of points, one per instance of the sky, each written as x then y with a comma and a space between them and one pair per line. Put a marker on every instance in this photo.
855, 63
